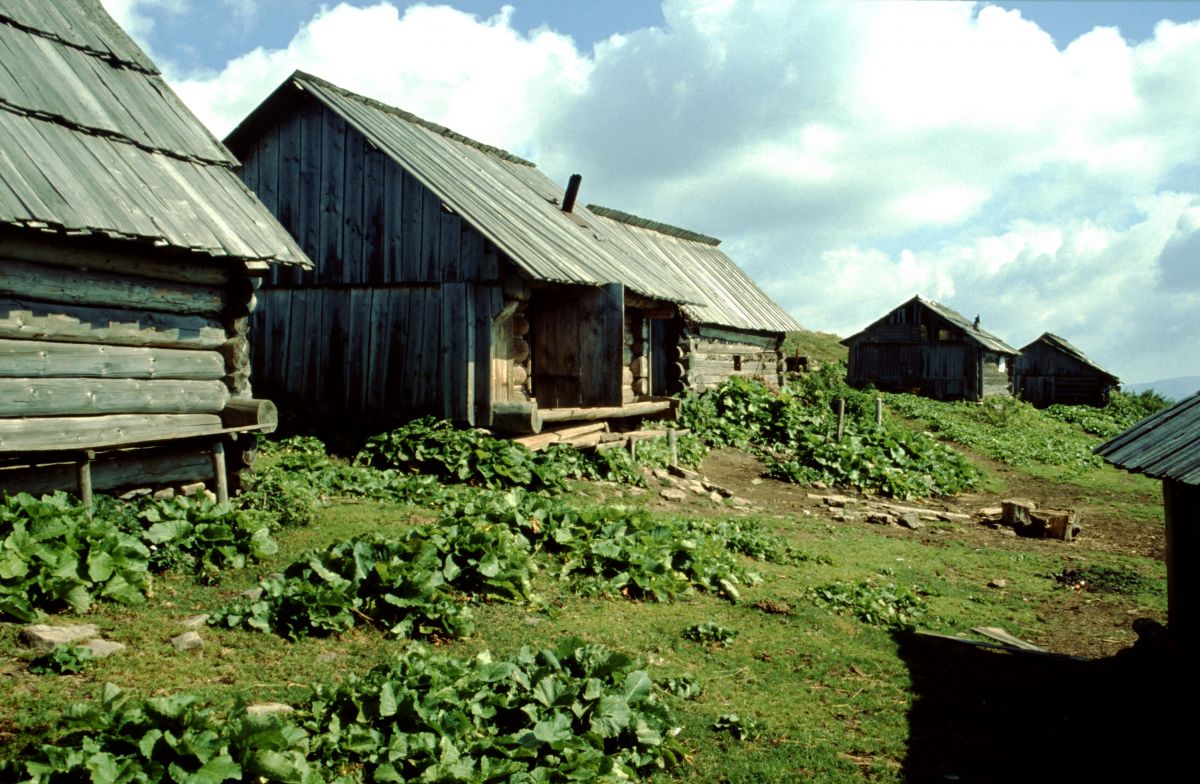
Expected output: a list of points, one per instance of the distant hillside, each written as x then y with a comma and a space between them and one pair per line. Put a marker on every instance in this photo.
817, 346
1173, 388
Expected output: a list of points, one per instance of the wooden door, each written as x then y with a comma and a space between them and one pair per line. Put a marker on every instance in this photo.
577, 342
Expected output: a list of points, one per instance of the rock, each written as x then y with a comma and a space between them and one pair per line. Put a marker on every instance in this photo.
999, 582
881, 518
44, 637
820, 486
660, 473
737, 500
715, 497
210, 495
673, 494
910, 520
187, 641
773, 606
103, 648
253, 594
191, 488
756, 481
166, 492
268, 708
195, 622
990, 511
137, 492
695, 486
721, 491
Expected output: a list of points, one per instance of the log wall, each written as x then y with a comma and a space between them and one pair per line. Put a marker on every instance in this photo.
711, 355
105, 346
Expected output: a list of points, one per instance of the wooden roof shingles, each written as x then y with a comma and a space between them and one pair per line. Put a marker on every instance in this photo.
1165, 445
93, 141
504, 197
729, 297
972, 332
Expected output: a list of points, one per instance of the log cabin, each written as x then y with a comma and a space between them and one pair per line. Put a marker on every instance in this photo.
1166, 446
1050, 370
731, 329
926, 348
451, 277
129, 254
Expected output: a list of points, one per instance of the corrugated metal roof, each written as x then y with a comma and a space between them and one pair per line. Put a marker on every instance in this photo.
92, 141
970, 331
1165, 445
1061, 344
505, 198
729, 297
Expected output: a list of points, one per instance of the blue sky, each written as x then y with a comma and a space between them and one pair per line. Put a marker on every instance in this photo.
1032, 162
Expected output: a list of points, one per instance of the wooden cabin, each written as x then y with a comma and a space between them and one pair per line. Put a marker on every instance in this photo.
129, 255
1166, 446
731, 329
1050, 370
928, 349
451, 277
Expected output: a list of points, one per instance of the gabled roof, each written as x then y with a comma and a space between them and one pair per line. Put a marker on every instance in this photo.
505, 198
730, 297
970, 331
1061, 345
93, 142
1165, 445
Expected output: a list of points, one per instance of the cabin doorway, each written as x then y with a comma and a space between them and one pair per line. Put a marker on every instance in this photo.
576, 340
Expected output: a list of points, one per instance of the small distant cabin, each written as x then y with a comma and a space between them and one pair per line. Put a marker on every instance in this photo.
1166, 446
129, 255
1050, 370
928, 349
451, 277
732, 329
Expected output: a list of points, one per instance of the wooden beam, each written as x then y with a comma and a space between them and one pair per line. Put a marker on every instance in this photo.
642, 408
84, 324
192, 268
45, 283
54, 397
48, 434
45, 359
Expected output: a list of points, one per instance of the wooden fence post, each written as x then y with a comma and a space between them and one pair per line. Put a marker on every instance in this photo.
673, 443
218, 463
878, 412
841, 418
84, 469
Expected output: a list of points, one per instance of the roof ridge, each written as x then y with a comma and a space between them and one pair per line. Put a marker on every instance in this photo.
429, 125
645, 223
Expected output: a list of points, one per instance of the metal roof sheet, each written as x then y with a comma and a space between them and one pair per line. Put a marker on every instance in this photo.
1165, 445
92, 141
726, 294
505, 198
1061, 344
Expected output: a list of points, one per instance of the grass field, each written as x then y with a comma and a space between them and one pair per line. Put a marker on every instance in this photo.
814, 674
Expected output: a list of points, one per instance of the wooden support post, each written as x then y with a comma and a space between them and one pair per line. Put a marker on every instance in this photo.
84, 468
878, 412
673, 443
841, 418
633, 449
218, 463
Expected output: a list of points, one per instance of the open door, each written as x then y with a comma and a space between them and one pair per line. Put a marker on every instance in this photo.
577, 345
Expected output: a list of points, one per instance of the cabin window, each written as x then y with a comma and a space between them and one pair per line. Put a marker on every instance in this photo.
924, 332
1000, 364
943, 334
737, 362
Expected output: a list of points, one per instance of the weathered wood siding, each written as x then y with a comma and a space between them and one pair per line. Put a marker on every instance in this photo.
397, 317
578, 339
710, 355
1045, 376
916, 350
103, 347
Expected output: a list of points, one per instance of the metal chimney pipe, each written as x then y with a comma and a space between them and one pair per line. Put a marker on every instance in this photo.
572, 192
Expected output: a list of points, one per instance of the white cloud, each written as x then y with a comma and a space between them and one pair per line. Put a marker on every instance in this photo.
851, 154
134, 15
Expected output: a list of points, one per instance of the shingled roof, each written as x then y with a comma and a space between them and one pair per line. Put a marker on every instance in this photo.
730, 297
1062, 345
504, 197
1165, 445
973, 333
94, 142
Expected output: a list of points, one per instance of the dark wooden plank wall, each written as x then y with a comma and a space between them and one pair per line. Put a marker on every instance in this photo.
1045, 376
397, 314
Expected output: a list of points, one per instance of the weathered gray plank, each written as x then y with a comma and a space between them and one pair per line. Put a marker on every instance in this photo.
353, 219
55, 322
37, 358
115, 470
376, 199
333, 189
46, 283
40, 397
93, 432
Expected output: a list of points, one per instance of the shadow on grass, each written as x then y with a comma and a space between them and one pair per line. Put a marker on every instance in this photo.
989, 715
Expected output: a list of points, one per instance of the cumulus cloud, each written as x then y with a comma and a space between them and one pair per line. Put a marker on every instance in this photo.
851, 154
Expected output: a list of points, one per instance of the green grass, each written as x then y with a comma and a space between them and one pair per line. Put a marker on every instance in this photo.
831, 697
822, 347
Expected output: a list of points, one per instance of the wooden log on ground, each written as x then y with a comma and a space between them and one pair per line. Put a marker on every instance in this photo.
516, 417
543, 440
115, 470
641, 408
53, 397
43, 283
582, 442
95, 432
250, 412
81, 324
46, 359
